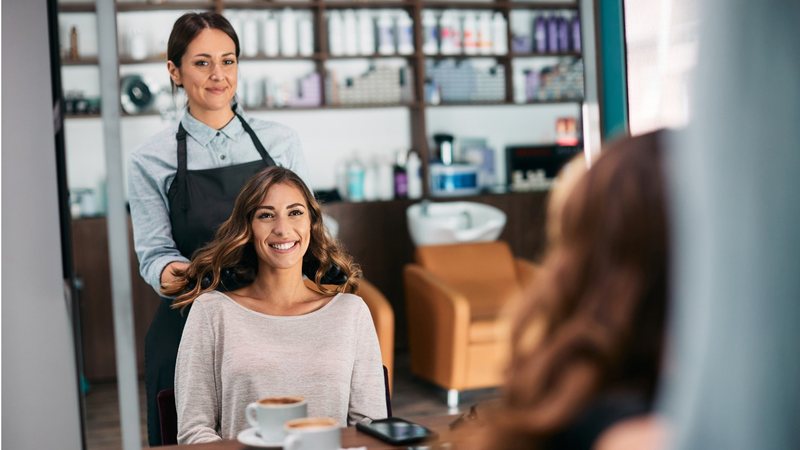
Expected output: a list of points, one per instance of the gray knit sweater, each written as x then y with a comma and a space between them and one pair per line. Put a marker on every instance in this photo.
230, 356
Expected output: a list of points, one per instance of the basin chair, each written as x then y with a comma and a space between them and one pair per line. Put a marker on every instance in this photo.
454, 297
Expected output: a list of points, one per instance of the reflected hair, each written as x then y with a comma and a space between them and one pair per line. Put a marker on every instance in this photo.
595, 320
232, 247
187, 27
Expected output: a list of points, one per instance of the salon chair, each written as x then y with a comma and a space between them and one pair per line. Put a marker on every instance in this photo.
454, 297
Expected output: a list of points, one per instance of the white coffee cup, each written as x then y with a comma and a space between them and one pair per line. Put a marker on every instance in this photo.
269, 414
312, 433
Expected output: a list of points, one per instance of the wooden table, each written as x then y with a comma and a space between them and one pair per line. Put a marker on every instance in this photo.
353, 438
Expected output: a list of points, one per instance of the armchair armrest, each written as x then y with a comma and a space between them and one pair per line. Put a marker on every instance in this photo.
438, 327
383, 318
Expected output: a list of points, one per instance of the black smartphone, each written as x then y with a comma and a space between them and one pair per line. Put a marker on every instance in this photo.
396, 431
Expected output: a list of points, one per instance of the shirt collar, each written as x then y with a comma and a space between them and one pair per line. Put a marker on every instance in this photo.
203, 134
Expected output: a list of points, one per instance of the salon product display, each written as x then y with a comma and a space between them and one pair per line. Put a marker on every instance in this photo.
455, 32
258, 92
287, 32
545, 32
463, 81
562, 81
369, 32
380, 84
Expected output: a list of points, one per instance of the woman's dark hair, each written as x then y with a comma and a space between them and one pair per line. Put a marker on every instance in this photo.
232, 248
595, 320
188, 26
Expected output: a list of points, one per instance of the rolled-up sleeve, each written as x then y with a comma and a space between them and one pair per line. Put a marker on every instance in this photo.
367, 387
152, 231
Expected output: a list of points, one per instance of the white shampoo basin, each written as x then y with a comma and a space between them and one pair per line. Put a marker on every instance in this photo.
453, 222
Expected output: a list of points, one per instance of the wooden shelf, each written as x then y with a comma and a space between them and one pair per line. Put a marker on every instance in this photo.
166, 6
270, 5
547, 55
265, 58
91, 61
441, 56
498, 5
82, 116
375, 56
76, 7
503, 103
367, 4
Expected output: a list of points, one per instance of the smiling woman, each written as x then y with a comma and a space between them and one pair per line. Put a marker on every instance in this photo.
183, 181
277, 335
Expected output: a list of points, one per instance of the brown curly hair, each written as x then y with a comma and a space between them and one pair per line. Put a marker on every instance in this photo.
232, 248
595, 320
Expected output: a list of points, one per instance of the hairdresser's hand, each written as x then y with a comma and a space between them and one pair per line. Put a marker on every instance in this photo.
168, 274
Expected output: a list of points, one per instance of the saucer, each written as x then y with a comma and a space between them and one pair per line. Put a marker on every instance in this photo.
251, 438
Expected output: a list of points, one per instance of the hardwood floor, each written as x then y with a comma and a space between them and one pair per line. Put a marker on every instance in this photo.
411, 397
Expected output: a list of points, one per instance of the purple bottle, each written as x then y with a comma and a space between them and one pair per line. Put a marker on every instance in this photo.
552, 34
540, 34
563, 34
575, 28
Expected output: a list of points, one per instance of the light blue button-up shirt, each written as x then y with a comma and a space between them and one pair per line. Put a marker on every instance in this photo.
153, 166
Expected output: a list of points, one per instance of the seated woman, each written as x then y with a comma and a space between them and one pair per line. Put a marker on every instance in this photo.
587, 342
275, 336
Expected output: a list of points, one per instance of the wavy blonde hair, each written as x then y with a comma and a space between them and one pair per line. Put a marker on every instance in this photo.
232, 248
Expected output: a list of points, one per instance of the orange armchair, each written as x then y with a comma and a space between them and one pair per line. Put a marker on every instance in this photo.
454, 296
383, 317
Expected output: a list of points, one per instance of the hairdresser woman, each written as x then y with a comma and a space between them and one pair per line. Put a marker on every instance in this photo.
184, 180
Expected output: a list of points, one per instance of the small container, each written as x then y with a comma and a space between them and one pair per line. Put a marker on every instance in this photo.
400, 176
288, 32
430, 44
355, 180
413, 172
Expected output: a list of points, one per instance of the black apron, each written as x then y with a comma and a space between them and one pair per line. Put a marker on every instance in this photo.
199, 201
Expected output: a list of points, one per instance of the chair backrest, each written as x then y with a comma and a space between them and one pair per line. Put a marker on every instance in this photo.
469, 262
168, 412
167, 416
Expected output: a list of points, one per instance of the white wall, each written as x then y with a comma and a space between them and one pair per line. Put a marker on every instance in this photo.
39, 382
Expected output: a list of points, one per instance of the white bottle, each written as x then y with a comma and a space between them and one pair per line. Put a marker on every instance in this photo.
306, 35
500, 41
457, 35
470, 34
520, 86
446, 33
366, 32
288, 33
405, 34
385, 179
385, 34
430, 45
250, 38
371, 181
335, 34
350, 33
413, 166
485, 43
270, 35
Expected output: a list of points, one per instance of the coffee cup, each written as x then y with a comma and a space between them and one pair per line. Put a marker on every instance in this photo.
269, 414
312, 433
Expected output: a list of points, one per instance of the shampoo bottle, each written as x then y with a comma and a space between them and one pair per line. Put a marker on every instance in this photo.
288, 33
335, 33
500, 38
413, 167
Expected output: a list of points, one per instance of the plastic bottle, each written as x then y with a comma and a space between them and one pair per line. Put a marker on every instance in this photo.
575, 26
500, 40
250, 38
430, 44
540, 34
457, 34
400, 176
350, 32
552, 33
288, 33
520, 87
371, 181
270, 36
355, 180
446, 31
470, 33
563, 34
366, 32
385, 34
405, 34
306, 35
413, 166
385, 179
485, 41
335, 33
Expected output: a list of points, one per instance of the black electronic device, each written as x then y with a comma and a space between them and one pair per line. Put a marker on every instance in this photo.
549, 158
396, 431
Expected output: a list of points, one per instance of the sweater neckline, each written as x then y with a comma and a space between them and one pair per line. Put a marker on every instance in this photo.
269, 316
